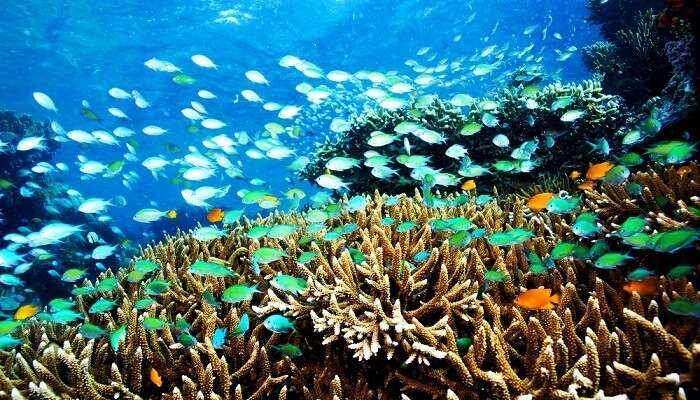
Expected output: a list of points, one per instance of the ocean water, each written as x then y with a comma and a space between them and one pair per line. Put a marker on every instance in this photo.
77, 51
552, 145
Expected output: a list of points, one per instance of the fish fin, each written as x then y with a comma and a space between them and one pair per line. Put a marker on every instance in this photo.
554, 298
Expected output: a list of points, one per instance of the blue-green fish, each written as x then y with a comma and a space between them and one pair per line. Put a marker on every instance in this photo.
101, 306
278, 323
631, 226
238, 293
91, 331
117, 336
585, 225
218, 338
673, 240
611, 260
157, 286
242, 326
562, 205
204, 268
289, 283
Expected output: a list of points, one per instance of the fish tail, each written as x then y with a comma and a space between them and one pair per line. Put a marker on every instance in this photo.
555, 298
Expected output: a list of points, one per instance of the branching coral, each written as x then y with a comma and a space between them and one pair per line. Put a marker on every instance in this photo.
373, 322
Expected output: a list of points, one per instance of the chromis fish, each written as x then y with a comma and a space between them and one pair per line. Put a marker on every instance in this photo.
91, 331
289, 283
640, 274
611, 260
157, 286
238, 293
680, 271
204, 268
585, 224
684, 306
118, 335
673, 240
268, 255
278, 323
631, 225
242, 326
562, 205
289, 350
153, 323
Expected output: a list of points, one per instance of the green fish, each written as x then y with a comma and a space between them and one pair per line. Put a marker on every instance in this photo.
242, 326
460, 224
611, 260
146, 266
289, 350
144, 303
186, 339
182, 79
282, 231
65, 317
640, 274
267, 255
117, 336
278, 323
562, 205
153, 323
8, 326
89, 114
315, 228
463, 343
72, 275
307, 256
357, 256
157, 286
494, 276
617, 175
568, 249
685, 306
238, 293
470, 128
680, 271
459, 239
304, 240
406, 226
209, 298
61, 304
83, 291
182, 325
289, 283
91, 331
673, 240
585, 225
629, 159
204, 268
256, 232
8, 342
102, 306
631, 226
386, 221
135, 276
107, 284
638, 240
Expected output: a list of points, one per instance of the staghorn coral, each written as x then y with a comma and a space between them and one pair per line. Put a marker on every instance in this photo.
378, 328
524, 114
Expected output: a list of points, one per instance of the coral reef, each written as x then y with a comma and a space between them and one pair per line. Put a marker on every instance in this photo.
29, 200
527, 115
373, 320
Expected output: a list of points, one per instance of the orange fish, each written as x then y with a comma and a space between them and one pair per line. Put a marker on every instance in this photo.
172, 214
586, 185
539, 201
598, 171
537, 299
215, 215
155, 377
646, 287
469, 185
574, 174
26, 311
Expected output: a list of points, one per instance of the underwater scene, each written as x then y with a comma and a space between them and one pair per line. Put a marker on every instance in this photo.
349, 199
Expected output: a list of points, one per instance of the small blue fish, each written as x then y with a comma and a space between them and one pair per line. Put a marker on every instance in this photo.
278, 323
219, 337
243, 326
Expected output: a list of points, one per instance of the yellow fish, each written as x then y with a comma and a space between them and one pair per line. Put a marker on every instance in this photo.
598, 171
26, 311
154, 376
537, 299
469, 185
539, 201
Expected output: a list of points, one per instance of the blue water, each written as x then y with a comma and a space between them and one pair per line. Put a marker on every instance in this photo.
76, 50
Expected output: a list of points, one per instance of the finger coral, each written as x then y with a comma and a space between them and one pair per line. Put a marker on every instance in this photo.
393, 300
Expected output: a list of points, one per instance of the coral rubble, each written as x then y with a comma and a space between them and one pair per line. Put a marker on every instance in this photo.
373, 321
